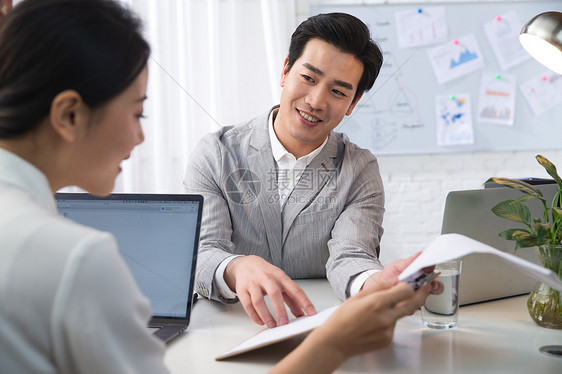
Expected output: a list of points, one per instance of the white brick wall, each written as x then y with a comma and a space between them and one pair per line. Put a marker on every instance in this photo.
416, 186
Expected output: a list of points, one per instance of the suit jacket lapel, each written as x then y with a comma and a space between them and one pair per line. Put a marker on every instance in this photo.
320, 171
260, 161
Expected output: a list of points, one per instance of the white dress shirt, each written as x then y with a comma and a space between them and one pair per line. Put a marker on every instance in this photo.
289, 171
289, 168
68, 303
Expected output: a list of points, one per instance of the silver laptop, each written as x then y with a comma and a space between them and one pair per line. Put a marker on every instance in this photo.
158, 236
487, 277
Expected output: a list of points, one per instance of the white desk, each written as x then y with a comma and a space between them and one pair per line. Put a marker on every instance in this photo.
492, 337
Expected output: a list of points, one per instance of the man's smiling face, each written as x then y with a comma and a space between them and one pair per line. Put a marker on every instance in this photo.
318, 92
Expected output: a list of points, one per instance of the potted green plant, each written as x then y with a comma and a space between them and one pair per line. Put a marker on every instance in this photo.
544, 233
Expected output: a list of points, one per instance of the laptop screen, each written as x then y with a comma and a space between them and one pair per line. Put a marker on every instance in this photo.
157, 237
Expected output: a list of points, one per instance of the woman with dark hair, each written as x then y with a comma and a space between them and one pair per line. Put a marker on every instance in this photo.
72, 84
73, 81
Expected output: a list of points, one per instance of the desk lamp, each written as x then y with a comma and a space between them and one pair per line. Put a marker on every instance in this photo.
542, 38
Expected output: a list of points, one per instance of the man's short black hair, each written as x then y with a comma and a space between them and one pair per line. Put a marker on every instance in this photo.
347, 33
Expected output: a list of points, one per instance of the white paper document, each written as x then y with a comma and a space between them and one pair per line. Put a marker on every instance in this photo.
416, 26
294, 328
503, 35
496, 98
450, 246
456, 59
543, 91
453, 120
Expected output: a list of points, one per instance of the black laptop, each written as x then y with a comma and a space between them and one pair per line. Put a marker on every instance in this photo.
158, 236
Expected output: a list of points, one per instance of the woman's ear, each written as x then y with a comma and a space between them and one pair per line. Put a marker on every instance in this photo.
69, 115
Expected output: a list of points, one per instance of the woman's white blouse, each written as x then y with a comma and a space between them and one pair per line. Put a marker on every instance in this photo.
68, 303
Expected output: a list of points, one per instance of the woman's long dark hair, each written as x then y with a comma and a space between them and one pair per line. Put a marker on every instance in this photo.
48, 46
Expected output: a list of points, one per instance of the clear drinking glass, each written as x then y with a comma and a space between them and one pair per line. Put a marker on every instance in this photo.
442, 311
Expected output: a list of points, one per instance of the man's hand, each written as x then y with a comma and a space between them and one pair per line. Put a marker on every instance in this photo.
252, 278
388, 276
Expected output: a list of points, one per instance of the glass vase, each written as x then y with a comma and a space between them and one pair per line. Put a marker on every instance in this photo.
545, 303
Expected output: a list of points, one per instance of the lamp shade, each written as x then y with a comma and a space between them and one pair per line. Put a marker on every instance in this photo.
542, 38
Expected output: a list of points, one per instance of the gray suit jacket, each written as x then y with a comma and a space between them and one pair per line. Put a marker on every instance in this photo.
330, 226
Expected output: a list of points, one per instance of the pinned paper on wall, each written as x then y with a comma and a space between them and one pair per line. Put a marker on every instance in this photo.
543, 91
456, 58
422, 26
454, 120
496, 99
503, 34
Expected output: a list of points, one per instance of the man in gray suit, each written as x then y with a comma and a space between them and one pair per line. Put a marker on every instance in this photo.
287, 197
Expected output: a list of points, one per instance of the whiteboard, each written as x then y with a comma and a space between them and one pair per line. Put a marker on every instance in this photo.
398, 115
